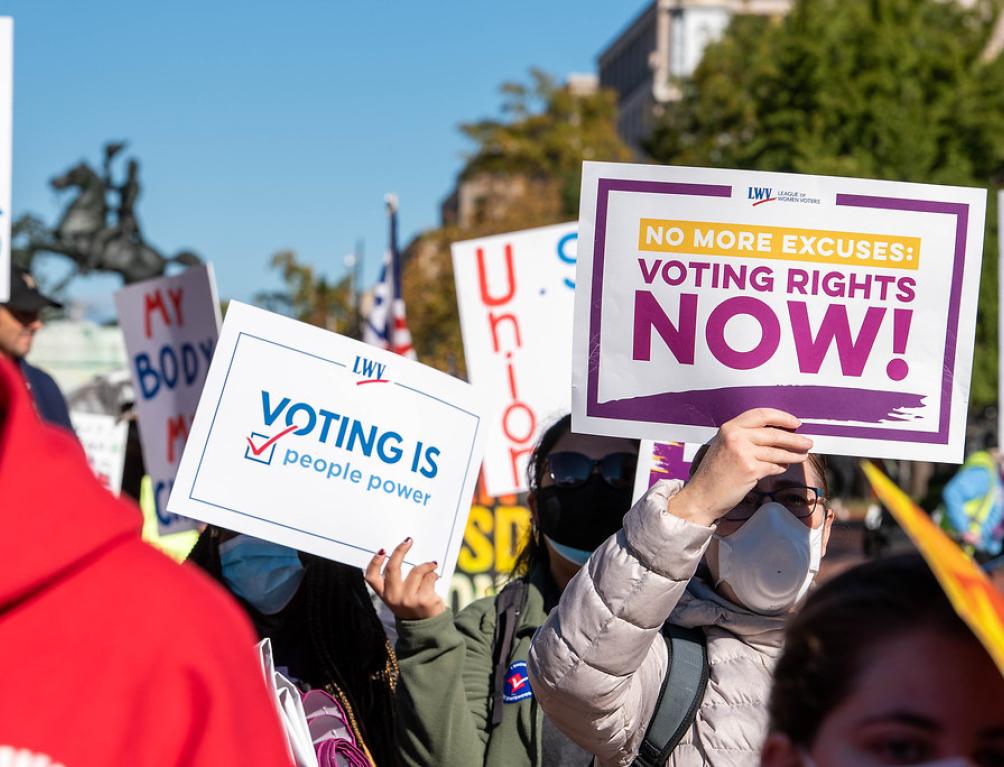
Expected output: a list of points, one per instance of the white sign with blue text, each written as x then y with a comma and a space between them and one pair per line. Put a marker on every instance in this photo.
516, 294
330, 446
6, 131
170, 325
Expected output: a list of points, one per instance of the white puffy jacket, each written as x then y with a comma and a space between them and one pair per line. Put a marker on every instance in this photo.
597, 664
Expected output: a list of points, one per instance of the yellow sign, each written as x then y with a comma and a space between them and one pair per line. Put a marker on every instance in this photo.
819, 246
975, 599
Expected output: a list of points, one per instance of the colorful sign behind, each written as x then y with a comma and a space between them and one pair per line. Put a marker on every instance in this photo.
661, 460
975, 599
170, 326
331, 446
704, 292
516, 296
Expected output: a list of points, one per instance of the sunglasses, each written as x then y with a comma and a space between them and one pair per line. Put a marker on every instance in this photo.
568, 469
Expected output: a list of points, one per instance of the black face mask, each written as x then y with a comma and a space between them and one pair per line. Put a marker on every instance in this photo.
582, 517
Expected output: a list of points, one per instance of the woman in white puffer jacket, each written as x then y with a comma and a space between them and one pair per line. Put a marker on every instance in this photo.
754, 511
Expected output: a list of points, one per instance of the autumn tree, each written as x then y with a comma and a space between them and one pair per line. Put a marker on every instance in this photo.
311, 297
529, 162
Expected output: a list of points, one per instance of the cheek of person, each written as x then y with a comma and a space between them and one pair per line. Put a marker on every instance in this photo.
924, 697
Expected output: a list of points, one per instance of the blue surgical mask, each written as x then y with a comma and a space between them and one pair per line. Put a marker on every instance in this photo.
263, 574
575, 556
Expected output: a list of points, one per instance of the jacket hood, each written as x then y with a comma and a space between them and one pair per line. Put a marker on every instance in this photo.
55, 515
702, 606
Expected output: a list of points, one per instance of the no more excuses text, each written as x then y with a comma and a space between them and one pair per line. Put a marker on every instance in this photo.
344, 471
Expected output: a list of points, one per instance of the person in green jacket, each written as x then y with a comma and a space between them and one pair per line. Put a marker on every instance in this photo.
464, 693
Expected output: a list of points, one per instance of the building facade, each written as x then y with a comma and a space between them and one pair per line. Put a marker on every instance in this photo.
664, 43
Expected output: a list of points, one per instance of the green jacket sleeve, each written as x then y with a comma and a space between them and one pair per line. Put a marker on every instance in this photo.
446, 671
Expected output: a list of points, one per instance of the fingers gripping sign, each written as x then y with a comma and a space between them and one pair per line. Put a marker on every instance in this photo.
758, 443
412, 597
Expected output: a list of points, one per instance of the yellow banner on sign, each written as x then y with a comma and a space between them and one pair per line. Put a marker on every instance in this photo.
707, 238
972, 595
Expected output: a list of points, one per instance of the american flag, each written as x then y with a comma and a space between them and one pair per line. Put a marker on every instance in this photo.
386, 326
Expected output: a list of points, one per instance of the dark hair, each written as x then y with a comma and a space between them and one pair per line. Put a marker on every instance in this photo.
348, 651
818, 461
534, 552
831, 640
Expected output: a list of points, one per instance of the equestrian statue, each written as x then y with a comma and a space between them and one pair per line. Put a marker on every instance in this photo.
88, 234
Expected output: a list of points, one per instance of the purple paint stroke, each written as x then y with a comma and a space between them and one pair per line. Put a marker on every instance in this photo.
713, 407
668, 462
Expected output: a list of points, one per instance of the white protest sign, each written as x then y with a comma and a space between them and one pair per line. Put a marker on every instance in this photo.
516, 294
103, 438
170, 326
6, 133
849, 303
1000, 317
330, 446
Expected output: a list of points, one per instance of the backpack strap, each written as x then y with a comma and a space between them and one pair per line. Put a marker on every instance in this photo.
681, 694
509, 605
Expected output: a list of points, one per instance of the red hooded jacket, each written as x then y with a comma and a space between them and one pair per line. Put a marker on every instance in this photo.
112, 654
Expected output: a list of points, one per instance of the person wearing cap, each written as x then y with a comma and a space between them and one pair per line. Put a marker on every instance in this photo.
19, 321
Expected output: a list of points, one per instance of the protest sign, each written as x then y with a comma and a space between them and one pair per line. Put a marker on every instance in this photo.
331, 446
849, 303
170, 326
6, 132
516, 296
661, 460
972, 594
103, 438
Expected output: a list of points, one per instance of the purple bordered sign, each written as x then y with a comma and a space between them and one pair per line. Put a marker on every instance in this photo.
705, 292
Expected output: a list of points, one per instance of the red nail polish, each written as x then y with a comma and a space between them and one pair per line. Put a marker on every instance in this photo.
381, 553
408, 539
436, 564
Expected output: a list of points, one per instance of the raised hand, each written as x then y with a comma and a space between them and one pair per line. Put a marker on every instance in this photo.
413, 597
756, 444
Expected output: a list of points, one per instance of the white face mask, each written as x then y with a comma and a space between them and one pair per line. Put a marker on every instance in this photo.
771, 560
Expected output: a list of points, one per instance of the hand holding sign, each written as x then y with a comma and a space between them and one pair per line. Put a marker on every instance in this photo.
410, 598
756, 444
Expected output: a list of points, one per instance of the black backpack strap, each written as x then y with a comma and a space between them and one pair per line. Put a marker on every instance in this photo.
509, 606
680, 697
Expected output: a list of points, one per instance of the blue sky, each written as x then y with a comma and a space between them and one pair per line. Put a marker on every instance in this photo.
263, 126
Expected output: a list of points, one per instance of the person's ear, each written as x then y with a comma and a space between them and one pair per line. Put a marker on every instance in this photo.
779, 751
828, 516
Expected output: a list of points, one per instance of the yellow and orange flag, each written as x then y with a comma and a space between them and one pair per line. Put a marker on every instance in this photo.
972, 595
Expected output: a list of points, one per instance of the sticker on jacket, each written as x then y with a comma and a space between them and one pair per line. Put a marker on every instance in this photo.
517, 683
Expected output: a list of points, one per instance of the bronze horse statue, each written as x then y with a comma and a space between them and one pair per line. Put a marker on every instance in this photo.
85, 236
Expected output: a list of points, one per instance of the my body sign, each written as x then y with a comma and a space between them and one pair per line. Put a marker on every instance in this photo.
170, 326
516, 296
325, 444
850, 303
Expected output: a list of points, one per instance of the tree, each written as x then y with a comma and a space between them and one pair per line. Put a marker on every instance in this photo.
309, 297
890, 89
550, 131
533, 156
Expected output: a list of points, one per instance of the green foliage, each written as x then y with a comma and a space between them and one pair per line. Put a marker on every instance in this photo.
550, 131
547, 132
890, 89
309, 297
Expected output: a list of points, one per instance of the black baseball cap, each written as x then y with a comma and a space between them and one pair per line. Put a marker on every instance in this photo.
24, 295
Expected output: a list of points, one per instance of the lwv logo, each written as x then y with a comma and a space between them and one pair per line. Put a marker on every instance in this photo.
760, 194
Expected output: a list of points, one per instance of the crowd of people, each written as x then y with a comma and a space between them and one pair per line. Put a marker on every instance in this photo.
685, 629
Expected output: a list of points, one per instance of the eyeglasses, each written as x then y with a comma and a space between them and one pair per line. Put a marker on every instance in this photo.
569, 469
800, 501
